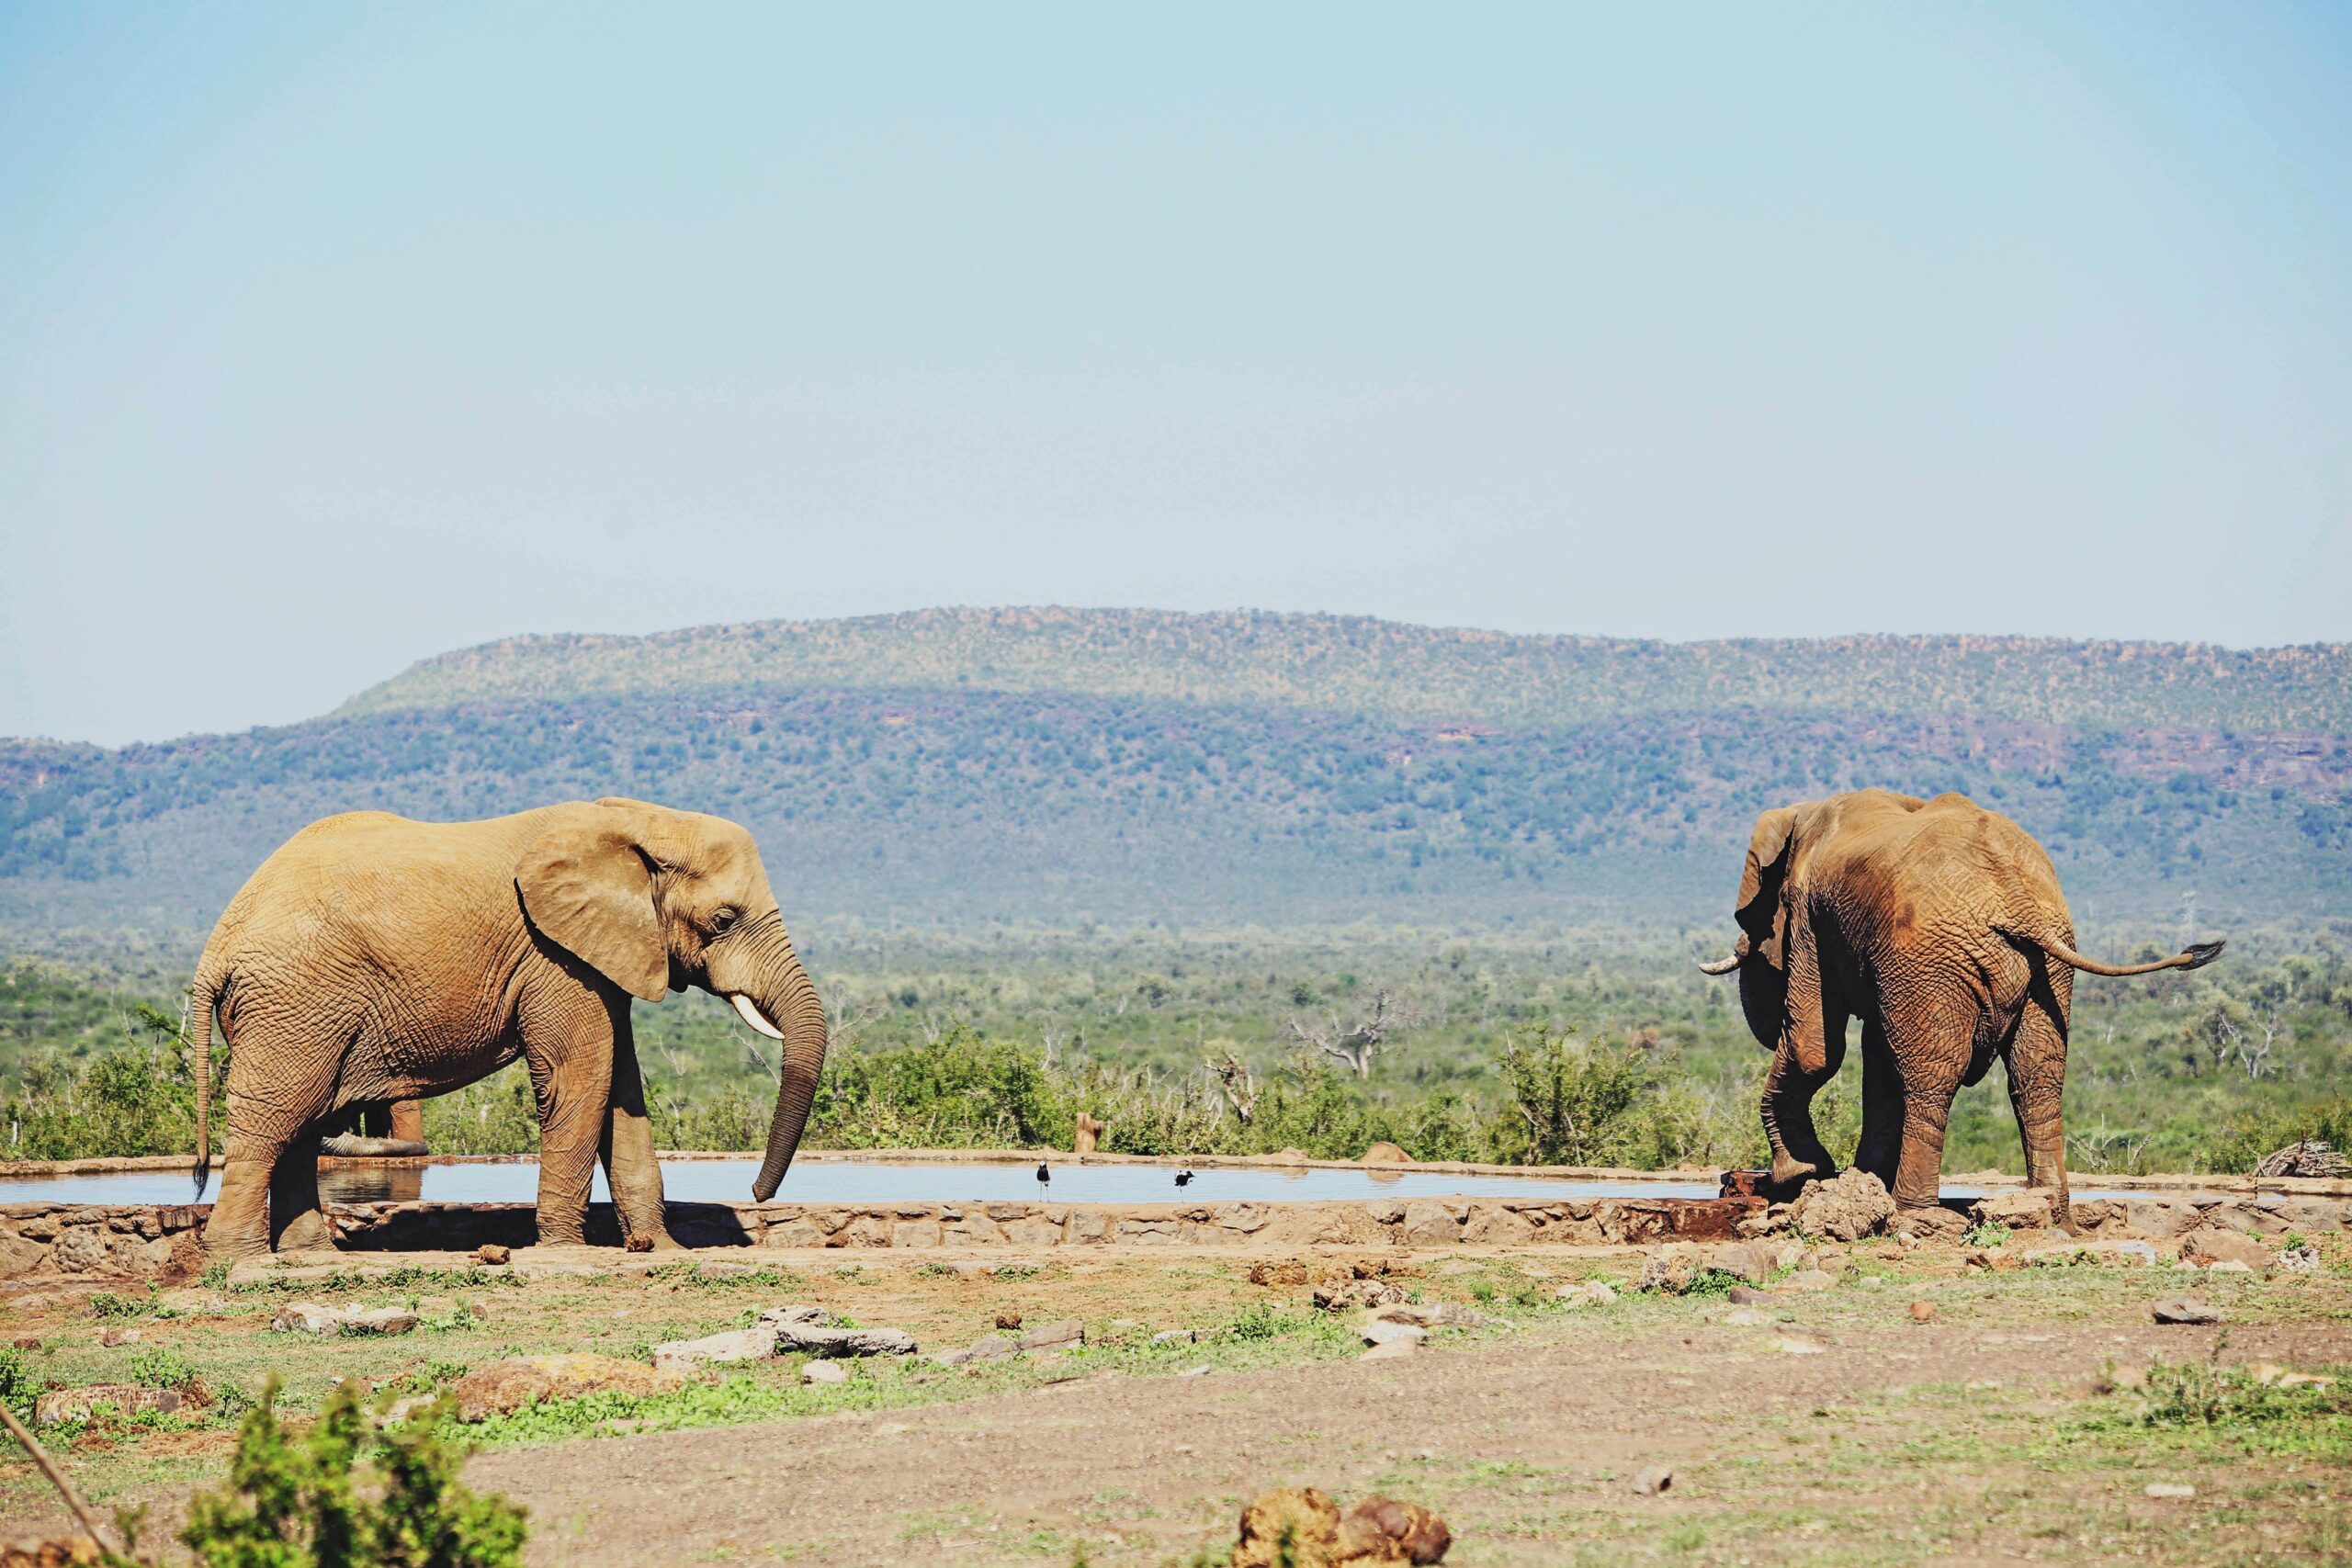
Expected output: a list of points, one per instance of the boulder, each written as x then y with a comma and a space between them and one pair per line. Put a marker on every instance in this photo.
1671, 1267
1756, 1262
1392, 1350
1854, 1205
1384, 1153
1284, 1156
1928, 1225
2206, 1248
2183, 1309
715, 1349
1302, 1528
1592, 1292
824, 1372
812, 1340
495, 1256
2019, 1208
506, 1386
1806, 1280
2161, 1218
311, 1317
1347, 1296
60, 1404
1387, 1330
1434, 1222
1066, 1334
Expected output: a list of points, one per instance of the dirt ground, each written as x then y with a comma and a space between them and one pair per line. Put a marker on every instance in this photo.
1825, 1427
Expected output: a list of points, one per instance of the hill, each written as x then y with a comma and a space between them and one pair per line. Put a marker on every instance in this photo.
1058, 767
1358, 665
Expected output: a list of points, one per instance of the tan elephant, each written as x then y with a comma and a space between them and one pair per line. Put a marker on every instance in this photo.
1939, 924
372, 959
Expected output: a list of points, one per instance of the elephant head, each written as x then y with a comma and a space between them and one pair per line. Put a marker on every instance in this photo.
656, 901
1760, 955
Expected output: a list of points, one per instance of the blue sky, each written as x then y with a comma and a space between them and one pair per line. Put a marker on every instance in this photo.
332, 337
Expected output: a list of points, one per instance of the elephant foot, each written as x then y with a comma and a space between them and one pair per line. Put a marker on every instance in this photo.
307, 1232
1788, 1172
652, 1241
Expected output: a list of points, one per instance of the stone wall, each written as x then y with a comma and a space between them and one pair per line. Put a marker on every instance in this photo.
163, 1242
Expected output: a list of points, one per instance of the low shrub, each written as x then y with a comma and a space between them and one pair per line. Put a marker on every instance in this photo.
344, 1494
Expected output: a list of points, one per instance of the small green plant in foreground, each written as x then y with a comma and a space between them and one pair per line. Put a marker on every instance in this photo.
160, 1366
2198, 1394
1991, 1233
342, 1495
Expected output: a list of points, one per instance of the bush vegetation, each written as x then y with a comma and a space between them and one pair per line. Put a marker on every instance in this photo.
1573, 1047
346, 1493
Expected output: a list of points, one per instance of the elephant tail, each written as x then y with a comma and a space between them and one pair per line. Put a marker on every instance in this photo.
202, 993
2195, 957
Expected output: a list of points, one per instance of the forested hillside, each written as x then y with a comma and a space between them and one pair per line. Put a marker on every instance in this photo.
1054, 768
1355, 664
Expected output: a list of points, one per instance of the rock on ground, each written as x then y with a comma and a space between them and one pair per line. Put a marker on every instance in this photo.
824, 1372
1592, 1292
1302, 1528
715, 1349
1671, 1269
1387, 1331
1854, 1205
2185, 1309
2020, 1209
2207, 1248
311, 1317
1066, 1334
1384, 1153
508, 1386
1928, 1225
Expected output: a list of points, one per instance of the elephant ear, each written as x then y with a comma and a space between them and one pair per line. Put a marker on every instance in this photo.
1761, 883
587, 882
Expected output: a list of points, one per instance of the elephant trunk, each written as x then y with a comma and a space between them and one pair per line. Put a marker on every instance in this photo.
357, 1145
786, 1003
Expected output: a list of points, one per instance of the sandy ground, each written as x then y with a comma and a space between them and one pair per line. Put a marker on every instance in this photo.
1876, 1439
1150, 1470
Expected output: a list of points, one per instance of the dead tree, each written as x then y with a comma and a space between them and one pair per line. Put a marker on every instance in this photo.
1240, 1085
1355, 1044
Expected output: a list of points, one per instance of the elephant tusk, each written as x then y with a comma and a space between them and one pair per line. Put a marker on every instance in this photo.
754, 1017
1721, 965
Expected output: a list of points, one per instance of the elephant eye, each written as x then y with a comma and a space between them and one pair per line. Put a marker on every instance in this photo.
721, 920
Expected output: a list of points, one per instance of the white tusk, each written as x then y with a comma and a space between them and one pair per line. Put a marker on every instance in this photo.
754, 1017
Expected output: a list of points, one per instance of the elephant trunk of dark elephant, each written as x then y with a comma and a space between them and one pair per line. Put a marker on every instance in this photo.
791, 1005
356, 1146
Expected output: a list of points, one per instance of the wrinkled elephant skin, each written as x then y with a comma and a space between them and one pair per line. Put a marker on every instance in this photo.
373, 959
1941, 926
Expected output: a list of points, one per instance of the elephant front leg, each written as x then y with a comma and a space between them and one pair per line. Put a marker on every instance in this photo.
627, 1149
571, 1090
1798, 1153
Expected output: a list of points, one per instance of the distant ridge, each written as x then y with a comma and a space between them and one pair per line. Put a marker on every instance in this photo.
1394, 671
1059, 766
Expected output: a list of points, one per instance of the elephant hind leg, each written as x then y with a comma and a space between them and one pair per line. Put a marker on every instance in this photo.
1880, 1150
296, 1223
2037, 1092
1933, 1047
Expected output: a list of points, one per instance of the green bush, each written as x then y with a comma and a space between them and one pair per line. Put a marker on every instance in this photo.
344, 1494
18, 1387
2245, 1140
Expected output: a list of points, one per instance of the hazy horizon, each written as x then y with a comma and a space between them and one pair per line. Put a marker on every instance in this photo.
334, 339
